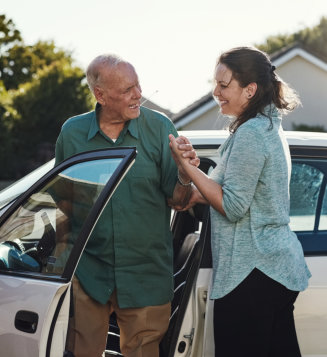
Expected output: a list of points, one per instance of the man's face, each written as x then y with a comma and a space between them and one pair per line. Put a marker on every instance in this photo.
119, 92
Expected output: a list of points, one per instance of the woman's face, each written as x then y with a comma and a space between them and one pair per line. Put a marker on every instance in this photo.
231, 97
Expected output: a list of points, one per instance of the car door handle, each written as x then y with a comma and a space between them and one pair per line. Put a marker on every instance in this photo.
26, 321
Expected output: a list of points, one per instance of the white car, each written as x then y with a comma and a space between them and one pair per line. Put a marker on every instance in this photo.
38, 256
191, 329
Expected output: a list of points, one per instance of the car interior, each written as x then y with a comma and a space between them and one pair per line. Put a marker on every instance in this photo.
191, 230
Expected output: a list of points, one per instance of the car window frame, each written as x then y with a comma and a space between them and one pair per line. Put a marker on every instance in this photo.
127, 154
314, 242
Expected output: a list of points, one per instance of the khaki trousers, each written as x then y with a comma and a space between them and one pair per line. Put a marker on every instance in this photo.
141, 329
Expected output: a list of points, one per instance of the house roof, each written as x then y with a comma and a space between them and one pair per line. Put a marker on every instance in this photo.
287, 53
278, 58
194, 110
151, 105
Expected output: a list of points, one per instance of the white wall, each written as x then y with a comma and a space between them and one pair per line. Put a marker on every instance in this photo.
310, 82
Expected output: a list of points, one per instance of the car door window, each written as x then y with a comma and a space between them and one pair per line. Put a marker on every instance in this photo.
305, 187
308, 210
323, 217
39, 235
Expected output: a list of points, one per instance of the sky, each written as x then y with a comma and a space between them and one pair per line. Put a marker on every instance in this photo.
173, 44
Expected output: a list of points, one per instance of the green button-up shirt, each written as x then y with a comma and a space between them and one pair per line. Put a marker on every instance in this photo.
130, 249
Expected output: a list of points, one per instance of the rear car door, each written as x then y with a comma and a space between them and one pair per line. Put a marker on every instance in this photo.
42, 236
190, 332
308, 219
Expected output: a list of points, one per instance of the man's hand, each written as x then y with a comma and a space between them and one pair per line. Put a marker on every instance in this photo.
181, 148
194, 198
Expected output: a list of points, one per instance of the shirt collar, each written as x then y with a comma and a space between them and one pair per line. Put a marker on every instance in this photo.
94, 126
271, 111
133, 128
132, 125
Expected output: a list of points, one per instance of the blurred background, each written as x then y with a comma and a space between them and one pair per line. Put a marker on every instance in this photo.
45, 47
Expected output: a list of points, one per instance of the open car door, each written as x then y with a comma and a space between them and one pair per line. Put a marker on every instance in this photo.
42, 236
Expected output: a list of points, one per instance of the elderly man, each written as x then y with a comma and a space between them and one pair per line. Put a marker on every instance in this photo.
127, 264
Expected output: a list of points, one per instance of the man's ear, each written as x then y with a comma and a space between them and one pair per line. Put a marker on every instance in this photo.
99, 95
251, 89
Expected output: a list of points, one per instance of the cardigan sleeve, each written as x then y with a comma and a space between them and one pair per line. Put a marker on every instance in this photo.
244, 167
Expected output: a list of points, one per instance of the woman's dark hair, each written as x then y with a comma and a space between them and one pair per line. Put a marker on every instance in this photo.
248, 65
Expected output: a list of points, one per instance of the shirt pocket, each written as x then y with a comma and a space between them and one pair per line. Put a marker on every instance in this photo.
144, 170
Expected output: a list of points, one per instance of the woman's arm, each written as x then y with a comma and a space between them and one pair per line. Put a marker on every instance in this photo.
210, 190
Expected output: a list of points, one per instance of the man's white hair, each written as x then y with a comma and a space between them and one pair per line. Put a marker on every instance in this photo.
93, 69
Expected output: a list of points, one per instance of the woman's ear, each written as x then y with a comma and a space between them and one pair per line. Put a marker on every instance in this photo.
251, 89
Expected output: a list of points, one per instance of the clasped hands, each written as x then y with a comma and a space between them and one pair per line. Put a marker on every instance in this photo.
182, 150
184, 155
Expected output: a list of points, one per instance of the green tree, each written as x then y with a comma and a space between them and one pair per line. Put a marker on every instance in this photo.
6, 123
9, 35
314, 39
40, 87
19, 63
55, 93
304, 127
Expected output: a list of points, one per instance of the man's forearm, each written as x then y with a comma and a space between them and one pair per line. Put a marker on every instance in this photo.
181, 195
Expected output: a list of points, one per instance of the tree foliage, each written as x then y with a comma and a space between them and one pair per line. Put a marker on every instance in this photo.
9, 35
39, 89
19, 63
314, 39
55, 93
304, 127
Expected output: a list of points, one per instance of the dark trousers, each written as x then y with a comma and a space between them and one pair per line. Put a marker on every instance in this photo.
256, 320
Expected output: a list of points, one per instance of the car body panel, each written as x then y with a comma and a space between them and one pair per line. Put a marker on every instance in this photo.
20, 294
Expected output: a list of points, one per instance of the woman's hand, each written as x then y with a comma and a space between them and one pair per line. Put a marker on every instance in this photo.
183, 154
209, 191
181, 148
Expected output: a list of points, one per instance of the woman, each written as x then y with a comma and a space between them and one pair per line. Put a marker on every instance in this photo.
258, 263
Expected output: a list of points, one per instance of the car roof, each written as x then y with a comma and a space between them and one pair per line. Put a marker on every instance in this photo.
217, 137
